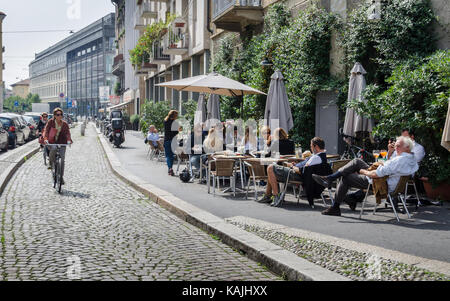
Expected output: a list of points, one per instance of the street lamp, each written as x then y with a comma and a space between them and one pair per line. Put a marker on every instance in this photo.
266, 62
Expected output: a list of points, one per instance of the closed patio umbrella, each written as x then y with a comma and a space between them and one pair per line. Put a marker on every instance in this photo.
354, 122
213, 109
200, 113
278, 110
445, 142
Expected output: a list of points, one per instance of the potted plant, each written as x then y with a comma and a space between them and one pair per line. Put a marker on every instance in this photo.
134, 119
435, 173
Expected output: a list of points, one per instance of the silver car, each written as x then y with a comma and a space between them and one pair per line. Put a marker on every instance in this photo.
3, 137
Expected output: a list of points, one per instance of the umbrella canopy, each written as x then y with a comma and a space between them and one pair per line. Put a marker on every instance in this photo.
200, 113
354, 122
212, 83
278, 111
445, 142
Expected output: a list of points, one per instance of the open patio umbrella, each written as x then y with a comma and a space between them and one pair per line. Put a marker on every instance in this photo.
212, 83
445, 142
354, 122
200, 113
278, 110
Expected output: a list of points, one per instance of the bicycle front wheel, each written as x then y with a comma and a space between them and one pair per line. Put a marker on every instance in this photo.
59, 176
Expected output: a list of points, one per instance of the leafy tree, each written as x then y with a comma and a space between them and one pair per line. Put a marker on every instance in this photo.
154, 113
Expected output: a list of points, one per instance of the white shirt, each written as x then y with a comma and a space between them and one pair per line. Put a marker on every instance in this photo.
403, 165
418, 151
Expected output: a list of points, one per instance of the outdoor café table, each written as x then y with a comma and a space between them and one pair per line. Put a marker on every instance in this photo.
237, 158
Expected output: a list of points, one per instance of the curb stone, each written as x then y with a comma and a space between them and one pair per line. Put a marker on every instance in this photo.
8, 173
278, 260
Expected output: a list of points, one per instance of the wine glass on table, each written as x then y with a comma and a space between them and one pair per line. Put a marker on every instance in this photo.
383, 154
376, 154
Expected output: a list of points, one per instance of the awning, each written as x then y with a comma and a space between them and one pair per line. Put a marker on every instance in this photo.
120, 105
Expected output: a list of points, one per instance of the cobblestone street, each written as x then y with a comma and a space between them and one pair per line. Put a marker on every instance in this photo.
102, 229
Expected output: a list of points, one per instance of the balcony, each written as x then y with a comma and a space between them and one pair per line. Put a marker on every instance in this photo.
157, 56
139, 23
148, 10
139, 72
175, 43
119, 65
234, 15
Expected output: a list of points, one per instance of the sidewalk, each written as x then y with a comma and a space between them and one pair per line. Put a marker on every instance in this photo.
426, 235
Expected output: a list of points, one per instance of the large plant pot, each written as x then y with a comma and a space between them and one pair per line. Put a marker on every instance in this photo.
442, 191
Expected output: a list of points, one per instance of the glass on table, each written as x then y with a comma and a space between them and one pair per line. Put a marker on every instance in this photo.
376, 154
383, 153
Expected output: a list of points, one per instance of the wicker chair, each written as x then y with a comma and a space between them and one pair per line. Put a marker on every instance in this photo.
257, 172
223, 168
399, 192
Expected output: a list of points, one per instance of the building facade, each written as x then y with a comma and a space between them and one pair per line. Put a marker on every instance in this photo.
182, 52
76, 68
21, 88
2, 49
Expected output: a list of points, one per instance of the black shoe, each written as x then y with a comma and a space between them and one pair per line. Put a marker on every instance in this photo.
321, 180
352, 205
265, 199
334, 211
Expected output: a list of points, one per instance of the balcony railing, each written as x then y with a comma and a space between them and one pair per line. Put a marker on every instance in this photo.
221, 6
148, 10
176, 42
157, 56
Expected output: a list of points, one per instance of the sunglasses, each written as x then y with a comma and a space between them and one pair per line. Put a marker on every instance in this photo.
58, 114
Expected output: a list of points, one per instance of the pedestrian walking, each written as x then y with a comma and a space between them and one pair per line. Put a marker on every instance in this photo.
170, 124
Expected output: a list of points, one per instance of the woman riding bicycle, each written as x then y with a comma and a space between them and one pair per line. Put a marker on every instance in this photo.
57, 132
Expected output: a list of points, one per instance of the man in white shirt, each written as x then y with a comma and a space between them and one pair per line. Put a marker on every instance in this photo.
355, 173
277, 173
418, 150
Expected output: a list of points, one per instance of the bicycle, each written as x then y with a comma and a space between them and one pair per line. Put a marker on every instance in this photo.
352, 151
56, 167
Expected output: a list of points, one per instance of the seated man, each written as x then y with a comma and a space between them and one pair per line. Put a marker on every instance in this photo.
355, 173
153, 137
419, 151
279, 173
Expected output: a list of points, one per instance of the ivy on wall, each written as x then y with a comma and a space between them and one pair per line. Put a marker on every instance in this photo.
299, 47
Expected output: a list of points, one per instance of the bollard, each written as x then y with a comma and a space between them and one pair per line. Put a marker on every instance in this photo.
83, 128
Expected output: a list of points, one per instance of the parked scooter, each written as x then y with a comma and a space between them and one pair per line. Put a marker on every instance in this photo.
117, 135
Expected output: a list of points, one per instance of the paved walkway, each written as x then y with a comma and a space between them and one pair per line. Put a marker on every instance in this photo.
426, 235
102, 229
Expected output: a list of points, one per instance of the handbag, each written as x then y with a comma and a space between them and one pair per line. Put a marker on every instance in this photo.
52, 135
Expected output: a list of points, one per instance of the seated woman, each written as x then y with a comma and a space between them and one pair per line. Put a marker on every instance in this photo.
281, 143
249, 142
213, 142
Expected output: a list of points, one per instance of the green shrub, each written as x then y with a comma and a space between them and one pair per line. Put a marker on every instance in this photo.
154, 113
417, 97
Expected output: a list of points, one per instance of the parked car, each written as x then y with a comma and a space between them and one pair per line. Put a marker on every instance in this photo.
32, 125
4, 136
36, 116
24, 126
16, 135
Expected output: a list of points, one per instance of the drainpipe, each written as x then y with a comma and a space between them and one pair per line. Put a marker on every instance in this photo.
208, 26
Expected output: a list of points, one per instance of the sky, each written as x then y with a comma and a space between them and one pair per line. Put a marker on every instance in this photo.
42, 15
